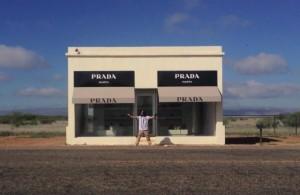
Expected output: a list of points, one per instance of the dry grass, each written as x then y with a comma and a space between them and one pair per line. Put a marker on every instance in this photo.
58, 126
247, 127
34, 131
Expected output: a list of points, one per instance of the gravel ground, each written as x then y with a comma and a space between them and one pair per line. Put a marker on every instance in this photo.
150, 170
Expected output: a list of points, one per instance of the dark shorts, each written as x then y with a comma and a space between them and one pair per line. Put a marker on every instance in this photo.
143, 133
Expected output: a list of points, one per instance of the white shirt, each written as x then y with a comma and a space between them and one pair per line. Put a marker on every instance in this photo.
143, 122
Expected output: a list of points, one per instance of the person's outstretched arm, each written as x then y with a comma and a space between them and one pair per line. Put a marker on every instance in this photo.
132, 116
152, 117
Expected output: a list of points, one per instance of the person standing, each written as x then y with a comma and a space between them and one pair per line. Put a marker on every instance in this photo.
143, 126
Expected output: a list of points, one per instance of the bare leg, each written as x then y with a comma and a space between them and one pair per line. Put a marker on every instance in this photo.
148, 138
138, 138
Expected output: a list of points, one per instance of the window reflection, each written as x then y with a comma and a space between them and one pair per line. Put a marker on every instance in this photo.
186, 119
103, 120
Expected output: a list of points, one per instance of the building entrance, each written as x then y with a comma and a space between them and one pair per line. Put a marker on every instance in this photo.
146, 100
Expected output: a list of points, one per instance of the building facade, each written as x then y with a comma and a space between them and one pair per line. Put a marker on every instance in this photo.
183, 86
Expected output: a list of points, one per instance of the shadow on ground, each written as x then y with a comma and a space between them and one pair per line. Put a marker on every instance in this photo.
247, 140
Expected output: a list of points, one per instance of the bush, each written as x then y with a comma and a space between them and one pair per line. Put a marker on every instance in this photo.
29, 117
6, 133
17, 119
31, 134
45, 134
264, 123
5, 120
292, 119
47, 121
32, 122
226, 122
233, 119
267, 123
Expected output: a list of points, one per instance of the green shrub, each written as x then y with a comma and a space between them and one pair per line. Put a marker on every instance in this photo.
5, 119
46, 134
233, 119
31, 134
292, 119
6, 133
47, 121
17, 119
226, 122
32, 122
264, 123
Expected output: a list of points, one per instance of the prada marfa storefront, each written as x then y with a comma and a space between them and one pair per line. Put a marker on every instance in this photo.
182, 85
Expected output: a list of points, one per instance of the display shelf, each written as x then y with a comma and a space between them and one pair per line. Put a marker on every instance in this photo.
116, 118
169, 117
116, 109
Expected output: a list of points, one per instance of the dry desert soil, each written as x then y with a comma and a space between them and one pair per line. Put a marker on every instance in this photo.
48, 166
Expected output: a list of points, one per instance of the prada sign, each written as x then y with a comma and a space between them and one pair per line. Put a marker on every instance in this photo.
103, 101
189, 99
103, 78
187, 78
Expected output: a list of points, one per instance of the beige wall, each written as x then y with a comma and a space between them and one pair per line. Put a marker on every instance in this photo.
145, 61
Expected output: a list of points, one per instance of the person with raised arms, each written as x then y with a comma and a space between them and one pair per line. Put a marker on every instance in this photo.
143, 126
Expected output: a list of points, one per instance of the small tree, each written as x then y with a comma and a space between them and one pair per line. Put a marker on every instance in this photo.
262, 124
226, 122
275, 124
292, 120
16, 119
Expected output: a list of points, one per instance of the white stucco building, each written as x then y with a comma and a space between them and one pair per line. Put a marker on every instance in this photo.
182, 85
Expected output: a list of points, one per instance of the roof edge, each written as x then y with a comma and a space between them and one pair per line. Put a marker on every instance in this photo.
144, 51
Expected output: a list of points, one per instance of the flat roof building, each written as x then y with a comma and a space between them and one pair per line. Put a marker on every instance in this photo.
182, 85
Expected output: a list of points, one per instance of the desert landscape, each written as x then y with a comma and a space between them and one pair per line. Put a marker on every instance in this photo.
34, 159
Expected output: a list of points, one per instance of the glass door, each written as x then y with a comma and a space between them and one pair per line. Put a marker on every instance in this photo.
146, 100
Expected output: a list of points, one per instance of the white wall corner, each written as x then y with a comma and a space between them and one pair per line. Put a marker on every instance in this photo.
220, 133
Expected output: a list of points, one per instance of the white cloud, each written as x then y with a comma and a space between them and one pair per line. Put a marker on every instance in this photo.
233, 21
18, 57
262, 63
254, 89
57, 77
4, 77
43, 92
173, 21
192, 4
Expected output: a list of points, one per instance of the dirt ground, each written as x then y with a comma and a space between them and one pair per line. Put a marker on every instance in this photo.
16, 142
48, 166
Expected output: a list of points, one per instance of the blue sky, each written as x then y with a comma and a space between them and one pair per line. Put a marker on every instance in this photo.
260, 39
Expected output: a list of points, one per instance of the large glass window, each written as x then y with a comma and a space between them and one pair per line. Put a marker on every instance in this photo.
103, 120
186, 119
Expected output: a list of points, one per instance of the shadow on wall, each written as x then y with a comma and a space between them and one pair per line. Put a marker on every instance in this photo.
247, 140
165, 141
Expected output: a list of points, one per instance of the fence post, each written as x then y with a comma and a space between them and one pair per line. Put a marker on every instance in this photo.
296, 124
260, 136
274, 125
